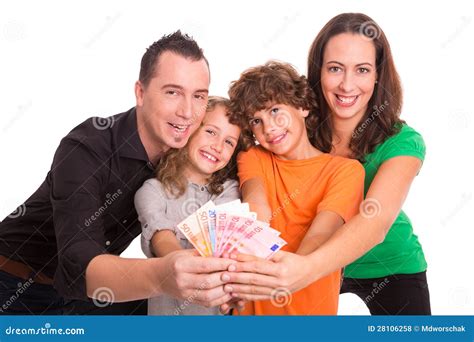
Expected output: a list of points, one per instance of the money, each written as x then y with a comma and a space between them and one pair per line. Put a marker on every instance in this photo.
230, 228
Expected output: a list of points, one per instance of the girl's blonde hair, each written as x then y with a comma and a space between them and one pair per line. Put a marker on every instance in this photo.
171, 167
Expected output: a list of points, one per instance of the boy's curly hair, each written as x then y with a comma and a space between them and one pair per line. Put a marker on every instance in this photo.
272, 83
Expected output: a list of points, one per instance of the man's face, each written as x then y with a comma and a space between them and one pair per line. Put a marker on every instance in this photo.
174, 102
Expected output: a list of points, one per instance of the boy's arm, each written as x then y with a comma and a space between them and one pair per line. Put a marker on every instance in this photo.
164, 242
253, 192
323, 226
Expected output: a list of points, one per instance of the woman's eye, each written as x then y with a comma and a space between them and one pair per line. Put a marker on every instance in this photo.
334, 69
363, 70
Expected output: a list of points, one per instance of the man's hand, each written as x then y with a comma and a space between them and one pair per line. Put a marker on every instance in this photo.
185, 275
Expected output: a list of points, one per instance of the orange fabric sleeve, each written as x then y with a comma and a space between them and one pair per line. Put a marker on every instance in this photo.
345, 190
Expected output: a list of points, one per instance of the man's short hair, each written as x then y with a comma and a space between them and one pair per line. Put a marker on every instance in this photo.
178, 43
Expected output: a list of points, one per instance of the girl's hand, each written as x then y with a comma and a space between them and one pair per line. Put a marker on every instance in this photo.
253, 278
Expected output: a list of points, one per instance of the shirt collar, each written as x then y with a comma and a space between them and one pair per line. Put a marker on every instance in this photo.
129, 144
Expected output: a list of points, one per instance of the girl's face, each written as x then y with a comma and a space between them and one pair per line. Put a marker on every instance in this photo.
212, 146
281, 129
348, 75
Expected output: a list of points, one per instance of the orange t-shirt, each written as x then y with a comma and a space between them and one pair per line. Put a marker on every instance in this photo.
297, 190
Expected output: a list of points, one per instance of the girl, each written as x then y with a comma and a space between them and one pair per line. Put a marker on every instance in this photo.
351, 70
187, 178
302, 192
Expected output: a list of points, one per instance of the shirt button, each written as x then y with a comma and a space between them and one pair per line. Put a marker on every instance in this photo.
107, 243
124, 221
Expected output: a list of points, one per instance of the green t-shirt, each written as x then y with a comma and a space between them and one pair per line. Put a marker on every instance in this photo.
400, 252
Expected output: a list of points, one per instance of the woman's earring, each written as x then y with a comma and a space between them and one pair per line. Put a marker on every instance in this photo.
376, 81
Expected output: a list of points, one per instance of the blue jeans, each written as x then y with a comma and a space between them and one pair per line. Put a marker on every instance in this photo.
25, 297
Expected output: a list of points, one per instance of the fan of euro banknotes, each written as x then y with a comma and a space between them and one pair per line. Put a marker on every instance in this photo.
230, 228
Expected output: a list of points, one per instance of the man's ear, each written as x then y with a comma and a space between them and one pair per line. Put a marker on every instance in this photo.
139, 90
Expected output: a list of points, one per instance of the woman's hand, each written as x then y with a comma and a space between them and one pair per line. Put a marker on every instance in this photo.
253, 278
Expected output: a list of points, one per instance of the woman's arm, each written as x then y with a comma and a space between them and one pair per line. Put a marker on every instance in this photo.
164, 242
322, 228
385, 198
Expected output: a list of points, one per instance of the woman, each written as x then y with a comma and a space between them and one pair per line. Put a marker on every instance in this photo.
351, 70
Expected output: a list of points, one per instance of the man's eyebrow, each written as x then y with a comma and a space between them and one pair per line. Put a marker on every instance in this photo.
176, 86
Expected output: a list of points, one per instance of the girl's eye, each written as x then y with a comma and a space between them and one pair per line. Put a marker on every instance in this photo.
229, 142
254, 122
334, 69
210, 131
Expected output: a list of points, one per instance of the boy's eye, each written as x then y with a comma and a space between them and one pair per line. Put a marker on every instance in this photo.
274, 110
254, 122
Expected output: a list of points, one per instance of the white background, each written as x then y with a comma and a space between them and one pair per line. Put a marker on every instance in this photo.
62, 62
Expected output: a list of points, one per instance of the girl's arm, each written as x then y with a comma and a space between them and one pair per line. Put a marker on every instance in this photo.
164, 242
386, 195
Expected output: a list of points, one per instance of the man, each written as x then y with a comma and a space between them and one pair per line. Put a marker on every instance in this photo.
59, 253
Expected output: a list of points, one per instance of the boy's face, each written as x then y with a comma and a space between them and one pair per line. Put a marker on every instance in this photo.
281, 129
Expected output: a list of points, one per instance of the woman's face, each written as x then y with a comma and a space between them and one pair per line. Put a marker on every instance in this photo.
348, 75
